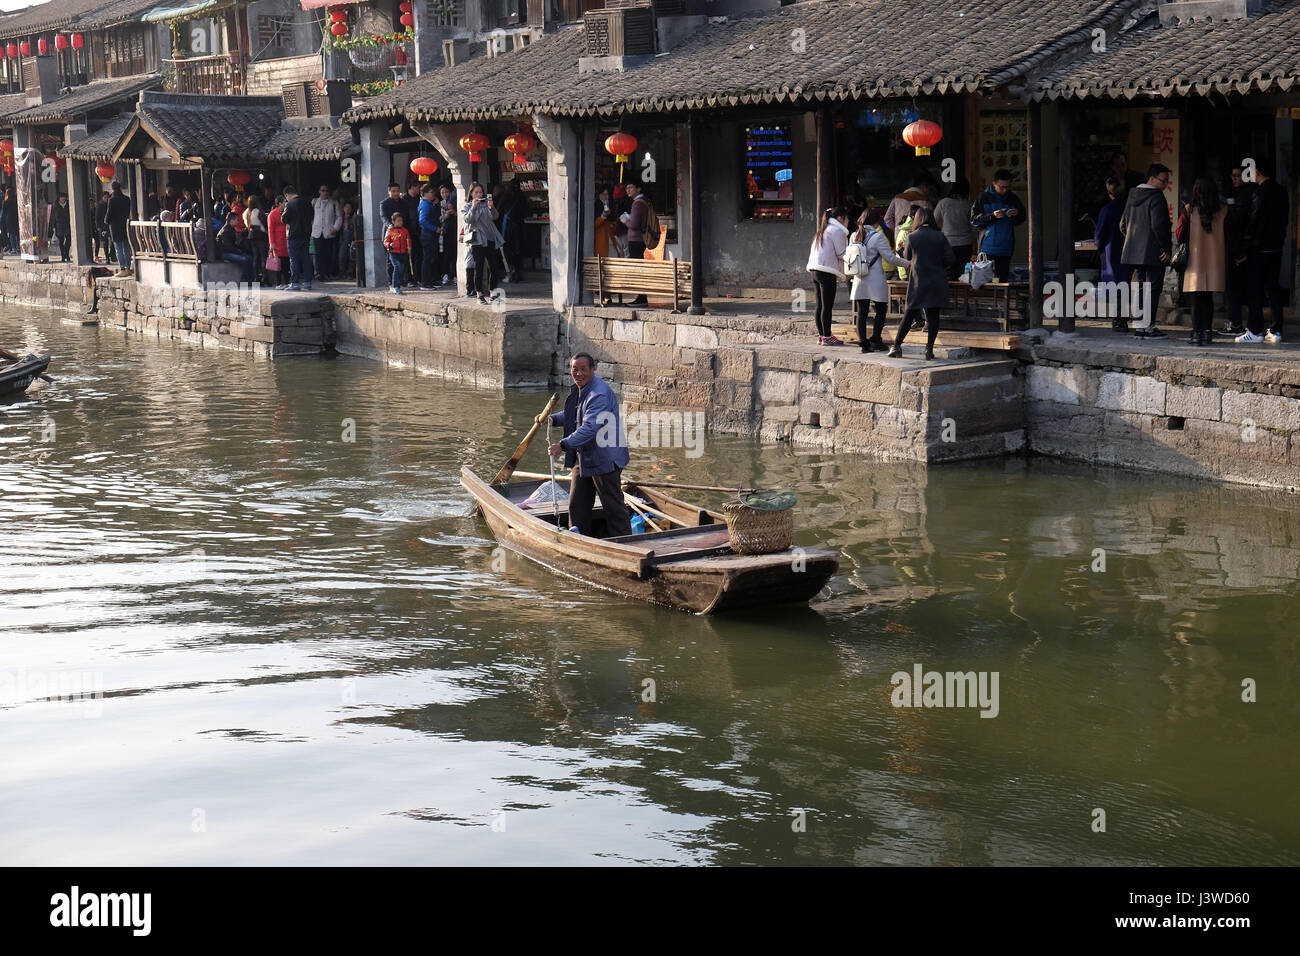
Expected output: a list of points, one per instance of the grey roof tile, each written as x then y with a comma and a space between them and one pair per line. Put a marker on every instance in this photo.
81, 100
100, 144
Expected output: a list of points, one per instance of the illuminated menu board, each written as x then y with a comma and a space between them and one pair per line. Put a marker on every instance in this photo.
769, 157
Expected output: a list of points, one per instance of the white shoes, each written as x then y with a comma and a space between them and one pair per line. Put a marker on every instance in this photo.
1249, 337
1273, 338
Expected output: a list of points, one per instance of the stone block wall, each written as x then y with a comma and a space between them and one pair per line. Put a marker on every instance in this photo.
1180, 414
48, 285
476, 344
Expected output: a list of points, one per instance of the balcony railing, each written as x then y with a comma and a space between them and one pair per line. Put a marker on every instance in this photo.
222, 74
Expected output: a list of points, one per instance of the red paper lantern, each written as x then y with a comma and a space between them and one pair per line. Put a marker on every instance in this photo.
78, 41
621, 146
105, 172
25, 48
42, 46
922, 134
338, 29
12, 50
407, 20
405, 6
520, 144
238, 178
60, 42
338, 15
474, 144
424, 167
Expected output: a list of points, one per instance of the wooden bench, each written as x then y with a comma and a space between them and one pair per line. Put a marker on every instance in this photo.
605, 277
1003, 305
147, 240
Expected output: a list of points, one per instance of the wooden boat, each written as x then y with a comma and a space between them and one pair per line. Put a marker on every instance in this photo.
17, 374
690, 568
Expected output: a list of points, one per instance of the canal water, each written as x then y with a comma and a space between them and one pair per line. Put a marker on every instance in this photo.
229, 635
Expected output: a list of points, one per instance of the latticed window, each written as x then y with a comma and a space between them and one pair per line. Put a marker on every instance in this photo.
273, 31
447, 13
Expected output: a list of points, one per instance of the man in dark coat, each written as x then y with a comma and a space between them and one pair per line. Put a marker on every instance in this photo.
1263, 242
1238, 201
931, 258
1148, 243
11, 229
297, 218
61, 226
594, 439
119, 214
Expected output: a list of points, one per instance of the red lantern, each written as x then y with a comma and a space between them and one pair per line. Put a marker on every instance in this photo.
922, 134
474, 144
407, 20
424, 167
105, 172
12, 50
78, 41
239, 179
25, 48
60, 42
520, 144
42, 46
405, 6
339, 15
621, 146
338, 29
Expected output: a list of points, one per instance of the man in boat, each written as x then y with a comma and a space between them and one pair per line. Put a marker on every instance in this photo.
593, 436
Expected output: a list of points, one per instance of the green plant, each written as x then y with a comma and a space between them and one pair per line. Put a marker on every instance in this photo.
373, 88
344, 43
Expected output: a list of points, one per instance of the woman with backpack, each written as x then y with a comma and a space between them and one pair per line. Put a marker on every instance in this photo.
927, 280
866, 257
825, 260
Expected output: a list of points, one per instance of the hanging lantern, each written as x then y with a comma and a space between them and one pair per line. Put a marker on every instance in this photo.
339, 15
105, 172
238, 178
408, 21
25, 48
338, 29
621, 146
474, 144
42, 46
424, 167
78, 41
922, 134
520, 144
60, 42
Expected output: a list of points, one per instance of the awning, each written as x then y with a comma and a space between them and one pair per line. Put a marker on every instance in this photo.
184, 12
317, 4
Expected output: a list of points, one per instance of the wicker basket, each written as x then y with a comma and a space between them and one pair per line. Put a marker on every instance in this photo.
754, 531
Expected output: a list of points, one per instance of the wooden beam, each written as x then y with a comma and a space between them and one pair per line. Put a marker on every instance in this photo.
825, 147
1035, 143
697, 220
205, 196
1065, 205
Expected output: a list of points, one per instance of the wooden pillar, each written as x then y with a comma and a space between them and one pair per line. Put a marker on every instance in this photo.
205, 196
697, 220
825, 149
1035, 144
1065, 209
138, 190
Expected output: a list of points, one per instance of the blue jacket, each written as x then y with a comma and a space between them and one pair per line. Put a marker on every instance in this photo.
999, 234
428, 216
1109, 241
593, 428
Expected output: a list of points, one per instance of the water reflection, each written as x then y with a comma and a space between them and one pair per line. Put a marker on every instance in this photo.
307, 637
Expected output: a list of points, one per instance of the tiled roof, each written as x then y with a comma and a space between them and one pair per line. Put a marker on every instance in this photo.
81, 14
83, 99
819, 50
1231, 56
212, 127
310, 143
100, 144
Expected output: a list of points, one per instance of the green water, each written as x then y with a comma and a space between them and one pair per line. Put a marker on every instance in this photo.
307, 656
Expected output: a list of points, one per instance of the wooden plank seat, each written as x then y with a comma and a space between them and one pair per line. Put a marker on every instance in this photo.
147, 240
605, 277
1002, 305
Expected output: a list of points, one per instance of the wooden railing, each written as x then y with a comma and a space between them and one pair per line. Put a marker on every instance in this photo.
151, 239
221, 75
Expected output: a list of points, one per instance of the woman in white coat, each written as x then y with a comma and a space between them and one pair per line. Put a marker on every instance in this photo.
826, 263
871, 291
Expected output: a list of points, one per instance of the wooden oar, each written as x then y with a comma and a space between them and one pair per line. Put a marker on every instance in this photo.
508, 468
17, 358
643, 513
647, 507
674, 484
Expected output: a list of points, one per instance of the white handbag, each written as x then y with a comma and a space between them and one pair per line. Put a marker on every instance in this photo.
981, 271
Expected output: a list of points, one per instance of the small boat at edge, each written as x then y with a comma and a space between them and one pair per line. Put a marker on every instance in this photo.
17, 374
